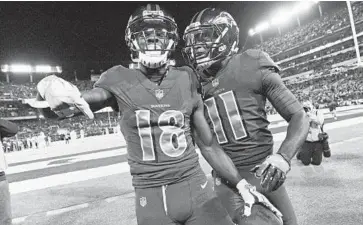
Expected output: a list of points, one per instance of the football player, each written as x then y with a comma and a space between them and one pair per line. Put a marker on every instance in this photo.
235, 87
160, 107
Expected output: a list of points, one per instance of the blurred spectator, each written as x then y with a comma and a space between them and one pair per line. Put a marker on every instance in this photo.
316, 140
7, 129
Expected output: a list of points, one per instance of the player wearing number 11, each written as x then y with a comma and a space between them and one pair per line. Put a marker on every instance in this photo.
160, 107
235, 88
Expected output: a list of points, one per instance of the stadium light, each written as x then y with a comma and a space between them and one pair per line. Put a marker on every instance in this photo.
302, 6
261, 27
283, 15
43, 69
20, 68
5, 68
280, 19
251, 32
59, 69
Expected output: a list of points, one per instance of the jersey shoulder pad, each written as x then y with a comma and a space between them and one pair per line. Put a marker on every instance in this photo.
193, 77
264, 60
111, 76
186, 69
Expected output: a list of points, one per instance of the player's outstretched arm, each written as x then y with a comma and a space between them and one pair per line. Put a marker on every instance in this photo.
7, 129
99, 98
59, 99
274, 169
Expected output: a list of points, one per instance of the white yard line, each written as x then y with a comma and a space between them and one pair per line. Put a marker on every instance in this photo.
330, 126
72, 159
84, 175
67, 209
67, 178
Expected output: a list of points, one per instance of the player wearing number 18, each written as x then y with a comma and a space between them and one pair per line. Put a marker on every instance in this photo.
235, 87
159, 106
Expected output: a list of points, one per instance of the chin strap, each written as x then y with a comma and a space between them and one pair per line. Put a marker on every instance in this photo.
148, 73
163, 76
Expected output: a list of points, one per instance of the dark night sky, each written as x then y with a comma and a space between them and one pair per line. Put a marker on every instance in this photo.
70, 33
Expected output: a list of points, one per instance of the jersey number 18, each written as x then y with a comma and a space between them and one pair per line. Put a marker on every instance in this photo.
168, 131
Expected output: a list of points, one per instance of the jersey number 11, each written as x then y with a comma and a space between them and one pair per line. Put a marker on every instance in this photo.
232, 112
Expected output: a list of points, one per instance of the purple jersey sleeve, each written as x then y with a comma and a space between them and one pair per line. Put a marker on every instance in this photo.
109, 78
7, 129
263, 59
278, 94
195, 84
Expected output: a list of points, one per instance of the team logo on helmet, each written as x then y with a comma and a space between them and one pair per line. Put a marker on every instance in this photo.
224, 18
143, 201
218, 181
211, 36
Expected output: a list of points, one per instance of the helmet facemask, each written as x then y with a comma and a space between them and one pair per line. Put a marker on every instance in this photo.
205, 45
211, 37
151, 38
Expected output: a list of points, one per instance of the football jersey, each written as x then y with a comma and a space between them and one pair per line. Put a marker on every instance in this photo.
235, 106
155, 123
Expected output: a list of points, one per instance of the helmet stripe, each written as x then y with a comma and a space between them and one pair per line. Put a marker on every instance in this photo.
152, 7
200, 15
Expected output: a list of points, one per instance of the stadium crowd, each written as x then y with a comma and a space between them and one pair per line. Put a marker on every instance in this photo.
28, 90
11, 91
323, 86
36, 132
322, 64
344, 87
324, 25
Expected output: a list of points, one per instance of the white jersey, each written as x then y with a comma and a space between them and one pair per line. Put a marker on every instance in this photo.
73, 135
3, 164
82, 133
316, 122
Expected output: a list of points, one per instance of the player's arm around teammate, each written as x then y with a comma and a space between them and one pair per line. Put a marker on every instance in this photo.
274, 169
224, 166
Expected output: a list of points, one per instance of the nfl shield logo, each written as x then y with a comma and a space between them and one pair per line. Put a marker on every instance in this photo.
159, 94
143, 201
215, 82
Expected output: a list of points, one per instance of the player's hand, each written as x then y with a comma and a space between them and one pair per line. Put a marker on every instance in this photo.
250, 197
272, 172
61, 97
323, 136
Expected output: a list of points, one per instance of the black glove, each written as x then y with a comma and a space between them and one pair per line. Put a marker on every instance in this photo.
272, 172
